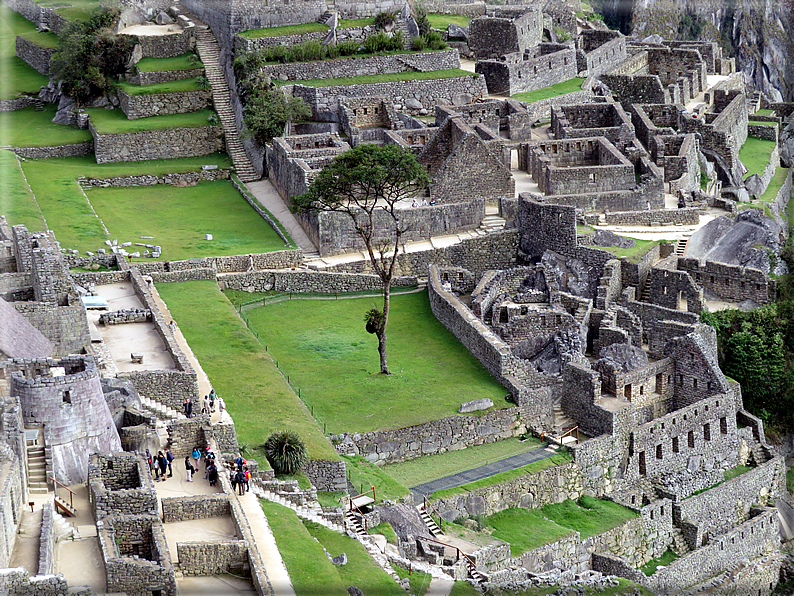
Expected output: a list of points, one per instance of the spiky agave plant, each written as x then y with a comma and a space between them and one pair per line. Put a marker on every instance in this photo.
286, 452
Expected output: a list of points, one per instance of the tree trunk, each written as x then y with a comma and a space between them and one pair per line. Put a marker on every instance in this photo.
384, 365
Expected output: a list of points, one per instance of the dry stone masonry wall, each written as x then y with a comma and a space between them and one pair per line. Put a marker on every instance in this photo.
157, 144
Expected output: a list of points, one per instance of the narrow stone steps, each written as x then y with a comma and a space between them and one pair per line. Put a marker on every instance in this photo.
310, 513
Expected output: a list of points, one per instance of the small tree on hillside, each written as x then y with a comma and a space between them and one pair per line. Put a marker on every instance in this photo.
267, 111
90, 56
285, 452
366, 183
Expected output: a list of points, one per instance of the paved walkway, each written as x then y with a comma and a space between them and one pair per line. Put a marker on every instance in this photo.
486, 471
268, 197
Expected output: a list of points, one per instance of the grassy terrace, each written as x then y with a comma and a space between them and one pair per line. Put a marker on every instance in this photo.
66, 209
330, 356
650, 567
568, 86
533, 468
364, 475
384, 78
184, 62
256, 394
418, 471
636, 252
755, 154
286, 30
29, 128
351, 23
190, 84
16, 201
301, 545
115, 122
774, 185
526, 529
179, 218
442, 21
18, 77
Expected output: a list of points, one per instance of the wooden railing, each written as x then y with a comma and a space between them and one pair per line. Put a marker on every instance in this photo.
71, 492
470, 564
568, 431
425, 503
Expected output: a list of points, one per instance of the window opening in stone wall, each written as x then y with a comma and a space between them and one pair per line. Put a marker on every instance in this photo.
642, 463
631, 445
627, 392
675, 444
658, 452
67, 397
691, 439
723, 426
642, 388
592, 180
707, 432
694, 383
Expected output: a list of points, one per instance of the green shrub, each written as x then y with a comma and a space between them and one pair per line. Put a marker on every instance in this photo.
419, 43
435, 41
384, 19
347, 48
203, 82
377, 42
397, 41
285, 452
332, 51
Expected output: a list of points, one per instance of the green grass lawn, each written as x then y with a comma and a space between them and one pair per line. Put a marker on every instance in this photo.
419, 580
361, 570
18, 77
636, 252
386, 530
350, 23
75, 13
330, 356
180, 85
737, 471
309, 569
179, 217
115, 122
424, 469
463, 588
256, 395
760, 123
16, 201
568, 86
43, 39
364, 475
29, 128
557, 459
589, 516
286, 30
63, 204
775, 184
186, 61
524, 529
755, 154
442, 21
650, 567
765, 112
383, 78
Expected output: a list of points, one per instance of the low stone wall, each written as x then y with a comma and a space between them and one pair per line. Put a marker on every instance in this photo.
428, 93
437, 436
363, 65
251, 200
689, 216
552, 485
164, 76
46, 541
158, 104
12, 105
541, 109
306, 281
157, 144
211, 558
762, 131
168, 387
245, 45
326, 475
783, 195
71, 150
36, 56
186, 433
179, 179
225, 436
130, 315
751, 539
165, 46
19, 581
177, 509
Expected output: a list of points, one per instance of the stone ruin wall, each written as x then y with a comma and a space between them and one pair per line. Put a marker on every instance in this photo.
165, 46
176, 509
13, 493
157, 144
428, 93
604, 57
731, 282
164, 76
39, 15
308, 281
498, 34
120, 484
36, 56
689, 216
158, 104
520, 75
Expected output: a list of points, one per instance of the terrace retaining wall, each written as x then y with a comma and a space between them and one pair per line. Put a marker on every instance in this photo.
157, 144
158, 104
36, 56
164, 76
71, 150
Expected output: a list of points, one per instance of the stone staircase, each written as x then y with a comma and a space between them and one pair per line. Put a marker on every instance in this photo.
162, 411
37, 469
492, 223
648, 490
680, 247
325, 17
353, 524
209, 52
680, 545
312, 512
646, 290
401, 25
432, 526
759, 454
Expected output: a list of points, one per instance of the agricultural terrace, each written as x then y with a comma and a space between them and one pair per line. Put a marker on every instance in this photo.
18, 77
323, 346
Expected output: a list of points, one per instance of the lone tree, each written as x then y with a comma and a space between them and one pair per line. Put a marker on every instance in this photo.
285, 452
367, 183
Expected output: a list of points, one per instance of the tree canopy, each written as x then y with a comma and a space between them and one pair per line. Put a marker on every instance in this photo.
267, 111
90, 56
367, 183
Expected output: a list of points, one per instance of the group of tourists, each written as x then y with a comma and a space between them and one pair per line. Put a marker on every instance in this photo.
160, 464
207, 404
240, 475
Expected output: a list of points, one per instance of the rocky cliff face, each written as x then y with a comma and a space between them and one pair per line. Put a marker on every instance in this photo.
759, 33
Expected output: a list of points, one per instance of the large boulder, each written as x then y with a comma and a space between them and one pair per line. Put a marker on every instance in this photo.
457, 32
609, 238
625, 356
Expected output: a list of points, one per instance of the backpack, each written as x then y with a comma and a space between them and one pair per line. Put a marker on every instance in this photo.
169, 456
